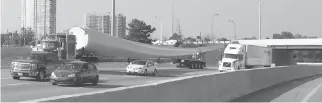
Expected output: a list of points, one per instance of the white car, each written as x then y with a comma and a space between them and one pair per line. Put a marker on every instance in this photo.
141, 67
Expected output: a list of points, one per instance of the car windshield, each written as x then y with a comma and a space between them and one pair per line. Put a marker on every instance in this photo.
139, 62
70, 66
232, 56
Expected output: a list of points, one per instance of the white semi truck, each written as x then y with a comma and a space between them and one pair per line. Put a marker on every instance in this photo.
238, 56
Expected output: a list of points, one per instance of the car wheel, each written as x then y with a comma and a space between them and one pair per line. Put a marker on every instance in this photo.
128, 73
41, 76
145, 72
14, 77
155, 72
95, 81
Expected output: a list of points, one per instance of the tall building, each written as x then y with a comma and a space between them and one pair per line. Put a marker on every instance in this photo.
99, 22
120, 26
39, 15
103, 23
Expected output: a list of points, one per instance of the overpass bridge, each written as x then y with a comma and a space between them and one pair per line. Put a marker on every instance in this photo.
287, 44
283, 48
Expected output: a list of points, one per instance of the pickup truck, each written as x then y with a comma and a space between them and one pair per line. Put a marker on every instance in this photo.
37, 65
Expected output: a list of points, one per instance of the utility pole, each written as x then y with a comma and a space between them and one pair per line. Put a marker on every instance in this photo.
45, 18
260, 20
113, 18
173, 3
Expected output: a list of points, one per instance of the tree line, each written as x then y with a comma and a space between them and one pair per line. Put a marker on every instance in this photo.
25, 37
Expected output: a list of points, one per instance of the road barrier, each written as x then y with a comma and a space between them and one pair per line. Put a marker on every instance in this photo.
213, 87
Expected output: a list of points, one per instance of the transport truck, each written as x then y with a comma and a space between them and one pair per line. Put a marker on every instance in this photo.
194, 61
239, 56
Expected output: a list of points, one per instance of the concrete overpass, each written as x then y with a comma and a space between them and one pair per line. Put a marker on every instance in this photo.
283, 48
293, 44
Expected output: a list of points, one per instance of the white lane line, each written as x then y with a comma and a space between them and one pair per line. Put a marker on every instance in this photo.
307, 97
13, 84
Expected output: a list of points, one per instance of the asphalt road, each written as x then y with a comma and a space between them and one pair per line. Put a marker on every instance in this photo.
301, 90
111, 76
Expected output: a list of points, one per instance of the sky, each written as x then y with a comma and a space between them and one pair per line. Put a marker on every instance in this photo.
194, 16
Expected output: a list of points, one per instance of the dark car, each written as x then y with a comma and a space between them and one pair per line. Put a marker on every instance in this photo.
75, 73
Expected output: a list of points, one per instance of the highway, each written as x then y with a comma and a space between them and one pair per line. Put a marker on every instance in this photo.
301, 90
111, 76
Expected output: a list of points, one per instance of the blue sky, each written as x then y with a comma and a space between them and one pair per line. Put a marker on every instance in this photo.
297, 16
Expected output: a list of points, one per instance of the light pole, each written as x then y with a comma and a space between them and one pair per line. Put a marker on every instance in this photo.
260, 20
161, 34
212, 21
234, 28
113, 18
173, 3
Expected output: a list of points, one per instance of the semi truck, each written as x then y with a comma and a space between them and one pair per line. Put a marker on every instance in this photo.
239, 56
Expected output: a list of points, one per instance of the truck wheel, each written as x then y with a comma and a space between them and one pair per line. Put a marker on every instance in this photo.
53, 83
40, 76
202, 66
14, 77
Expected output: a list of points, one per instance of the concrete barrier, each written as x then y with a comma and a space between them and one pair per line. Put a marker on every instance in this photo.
214, 87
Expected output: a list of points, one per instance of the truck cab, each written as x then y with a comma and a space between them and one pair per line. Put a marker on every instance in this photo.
38, 64
233, 58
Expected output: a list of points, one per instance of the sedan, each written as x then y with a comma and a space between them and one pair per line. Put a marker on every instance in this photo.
76, 73
144, 67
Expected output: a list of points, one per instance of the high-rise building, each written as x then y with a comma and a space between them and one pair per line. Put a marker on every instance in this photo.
39, 15
99, 22
103, 23
120, 26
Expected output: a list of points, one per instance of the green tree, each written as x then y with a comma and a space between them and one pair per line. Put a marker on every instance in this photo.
222, 39
28, 36
176, 36
139, 31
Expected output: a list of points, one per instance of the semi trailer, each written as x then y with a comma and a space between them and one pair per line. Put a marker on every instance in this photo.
239, 56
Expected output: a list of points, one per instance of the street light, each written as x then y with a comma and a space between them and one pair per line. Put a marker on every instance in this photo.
234, 28
161, 34
212, 21
260, 20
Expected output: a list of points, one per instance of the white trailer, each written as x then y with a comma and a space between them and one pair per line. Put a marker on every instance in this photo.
238, 56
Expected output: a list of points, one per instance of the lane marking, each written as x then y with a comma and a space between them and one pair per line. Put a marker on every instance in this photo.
13, 84
308, 97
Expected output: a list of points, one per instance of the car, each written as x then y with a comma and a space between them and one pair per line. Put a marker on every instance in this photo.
75, 73
141, 67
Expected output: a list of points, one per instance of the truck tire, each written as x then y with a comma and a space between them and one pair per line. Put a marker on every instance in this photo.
14, 77
202, 66
41, 75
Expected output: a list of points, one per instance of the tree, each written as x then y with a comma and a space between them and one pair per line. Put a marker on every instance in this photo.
222, 39
27, 36
176, 36
139, 31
